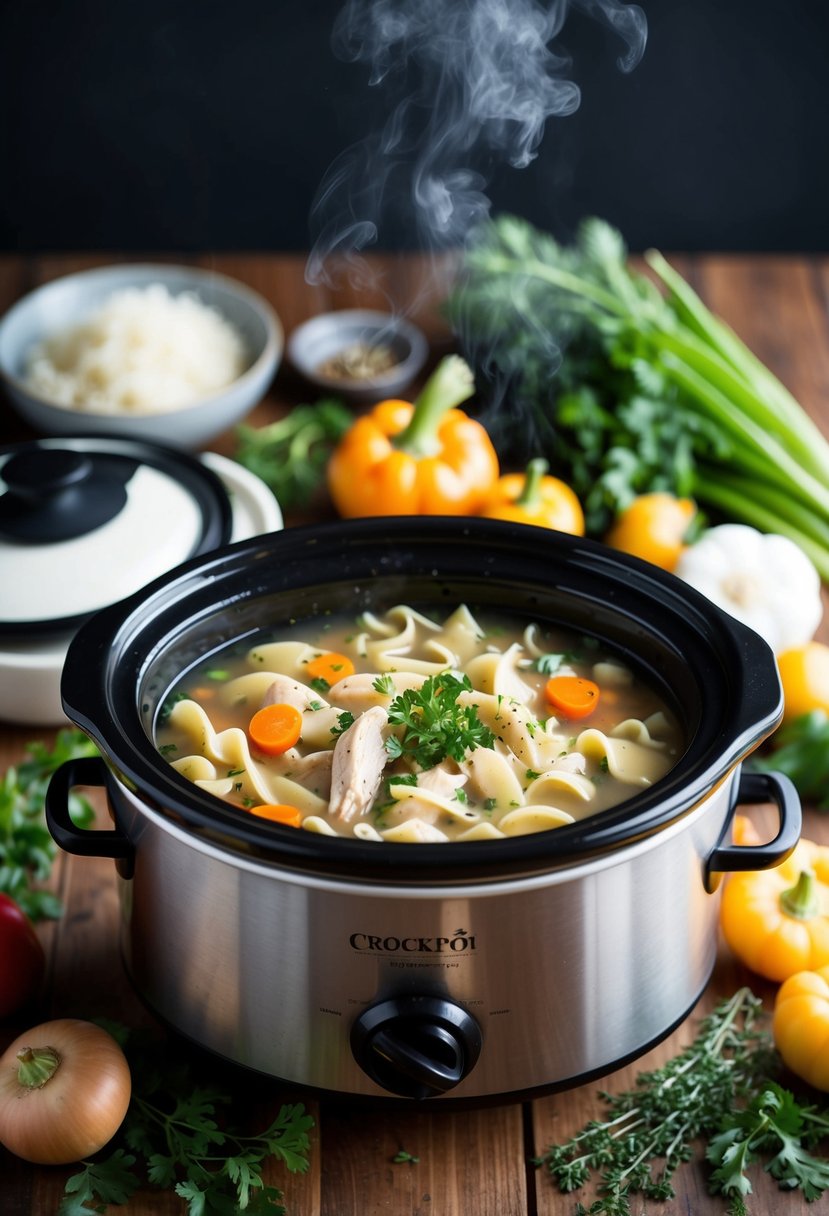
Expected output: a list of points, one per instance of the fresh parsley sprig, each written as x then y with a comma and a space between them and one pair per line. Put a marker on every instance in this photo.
176, 1137
27, 850
776, 1129
435, 725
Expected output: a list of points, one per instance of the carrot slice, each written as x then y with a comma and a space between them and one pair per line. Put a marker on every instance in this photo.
275, 728
330, 667
573, 696
278, 812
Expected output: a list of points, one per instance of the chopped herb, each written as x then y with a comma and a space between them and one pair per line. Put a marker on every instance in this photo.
167, 749
434, 725
403, 1158
531, 774
490, 804
218, 673
320, 685
235, 772
315, 706
548, 664
461, 796
604, 764
344, 720
384, 684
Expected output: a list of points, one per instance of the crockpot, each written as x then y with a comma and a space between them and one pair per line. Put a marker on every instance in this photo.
463, 970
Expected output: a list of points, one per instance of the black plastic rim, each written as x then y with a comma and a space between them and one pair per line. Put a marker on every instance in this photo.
720, 676
204, 486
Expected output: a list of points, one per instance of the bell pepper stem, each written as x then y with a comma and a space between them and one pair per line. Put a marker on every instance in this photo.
530, 496
801, 901
36, 1066
449, 384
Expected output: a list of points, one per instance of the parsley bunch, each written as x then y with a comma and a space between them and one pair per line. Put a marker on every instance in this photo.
27, 850
434, 725
174, 1139
718, 1088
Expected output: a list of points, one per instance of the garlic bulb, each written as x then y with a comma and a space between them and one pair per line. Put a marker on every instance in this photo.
764, 580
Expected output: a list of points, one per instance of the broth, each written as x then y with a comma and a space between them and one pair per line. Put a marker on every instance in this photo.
404, 727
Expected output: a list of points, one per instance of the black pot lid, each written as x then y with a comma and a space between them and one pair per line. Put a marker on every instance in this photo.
87, 520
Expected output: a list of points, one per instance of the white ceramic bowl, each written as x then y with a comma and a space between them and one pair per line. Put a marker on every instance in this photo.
65, 302
324, 336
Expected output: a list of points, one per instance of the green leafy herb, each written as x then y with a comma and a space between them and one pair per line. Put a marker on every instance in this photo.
801, 751
27, 850
628, 390
290, 455
775, 1129
649, 1130
320, 685
404, 1158
175, 1140
548, 664
344, 720
435, 725
383, 684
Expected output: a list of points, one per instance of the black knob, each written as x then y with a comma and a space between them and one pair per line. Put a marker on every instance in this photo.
55, 494
416, 1046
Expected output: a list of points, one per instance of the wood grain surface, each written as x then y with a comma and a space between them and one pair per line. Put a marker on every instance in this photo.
471, 1163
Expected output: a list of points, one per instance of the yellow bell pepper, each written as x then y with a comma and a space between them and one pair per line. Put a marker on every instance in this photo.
653, 527
777, 921
428, 458
532, 498
801, 1025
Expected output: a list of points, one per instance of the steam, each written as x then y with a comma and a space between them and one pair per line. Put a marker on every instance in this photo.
464, 85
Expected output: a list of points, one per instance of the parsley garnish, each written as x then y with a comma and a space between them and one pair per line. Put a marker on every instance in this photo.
383, 684
434, 725
548, 664
319, 684
344, 720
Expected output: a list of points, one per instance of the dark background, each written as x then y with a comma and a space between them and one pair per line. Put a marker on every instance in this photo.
192, 124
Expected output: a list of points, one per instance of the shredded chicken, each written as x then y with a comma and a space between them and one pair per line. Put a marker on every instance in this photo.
313, 772
285, 691
359, 759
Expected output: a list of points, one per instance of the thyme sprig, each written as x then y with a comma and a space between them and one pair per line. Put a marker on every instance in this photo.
649, 1130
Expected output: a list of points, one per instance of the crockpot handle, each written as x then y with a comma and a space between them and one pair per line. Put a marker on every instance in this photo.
757, 788
91, 771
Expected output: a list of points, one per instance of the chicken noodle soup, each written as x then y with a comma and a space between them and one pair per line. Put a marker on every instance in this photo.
403, 728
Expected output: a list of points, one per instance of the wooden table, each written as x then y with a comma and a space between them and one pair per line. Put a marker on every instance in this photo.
472, 1162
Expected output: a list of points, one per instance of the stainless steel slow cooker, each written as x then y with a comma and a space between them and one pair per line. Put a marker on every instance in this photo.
456, 970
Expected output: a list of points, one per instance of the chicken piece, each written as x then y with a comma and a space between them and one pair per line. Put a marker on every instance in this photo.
357, 693
442, 779
313, 772
358, 763
285, 691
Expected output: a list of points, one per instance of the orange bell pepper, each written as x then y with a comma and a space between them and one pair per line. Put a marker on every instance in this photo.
532, 498
428, 458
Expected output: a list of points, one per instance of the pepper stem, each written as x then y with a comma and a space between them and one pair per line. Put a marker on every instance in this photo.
530, 496
801, 901
36, 1066
449, 384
